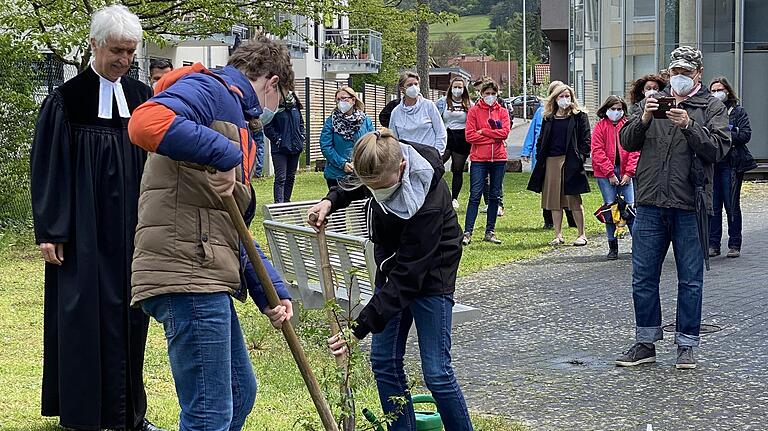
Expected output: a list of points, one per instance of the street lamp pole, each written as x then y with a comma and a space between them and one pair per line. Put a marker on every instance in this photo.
525, 70
509, 72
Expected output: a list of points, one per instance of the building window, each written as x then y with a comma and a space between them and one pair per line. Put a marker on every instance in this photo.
755, 30
644, 10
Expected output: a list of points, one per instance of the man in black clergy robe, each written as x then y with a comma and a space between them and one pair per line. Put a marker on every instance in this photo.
85, 176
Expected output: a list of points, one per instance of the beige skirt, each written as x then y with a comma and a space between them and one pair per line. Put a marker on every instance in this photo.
552, 193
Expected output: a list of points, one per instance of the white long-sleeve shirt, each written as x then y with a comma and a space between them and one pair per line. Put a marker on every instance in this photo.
420, 123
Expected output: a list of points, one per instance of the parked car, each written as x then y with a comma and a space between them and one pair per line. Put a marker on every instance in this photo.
516, 103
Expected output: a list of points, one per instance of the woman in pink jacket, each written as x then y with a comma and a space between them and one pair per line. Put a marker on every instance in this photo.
613, 166
486, 131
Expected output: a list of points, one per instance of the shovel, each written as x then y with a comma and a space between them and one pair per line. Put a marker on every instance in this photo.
329, 294
326, 417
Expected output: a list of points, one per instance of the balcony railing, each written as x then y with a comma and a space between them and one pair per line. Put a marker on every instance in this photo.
352, 51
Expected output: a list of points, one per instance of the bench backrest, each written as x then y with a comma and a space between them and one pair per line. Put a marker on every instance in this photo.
351, 220
295, 250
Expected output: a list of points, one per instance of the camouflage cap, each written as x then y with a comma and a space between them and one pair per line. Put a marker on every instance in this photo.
686, 57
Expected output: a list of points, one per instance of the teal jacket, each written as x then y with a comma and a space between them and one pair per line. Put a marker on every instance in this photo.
338, 150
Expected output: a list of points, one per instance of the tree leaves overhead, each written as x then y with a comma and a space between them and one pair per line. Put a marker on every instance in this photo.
62, 25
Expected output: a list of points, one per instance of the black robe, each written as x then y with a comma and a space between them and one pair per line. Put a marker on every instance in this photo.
85, 176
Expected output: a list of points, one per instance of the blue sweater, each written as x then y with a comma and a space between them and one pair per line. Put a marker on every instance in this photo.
338, 150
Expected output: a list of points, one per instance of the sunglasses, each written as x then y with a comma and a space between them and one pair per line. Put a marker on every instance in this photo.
495, 124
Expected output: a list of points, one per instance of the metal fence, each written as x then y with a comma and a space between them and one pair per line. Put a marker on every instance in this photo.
319, 99
47, 74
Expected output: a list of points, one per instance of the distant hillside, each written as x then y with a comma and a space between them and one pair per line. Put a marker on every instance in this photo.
467, 27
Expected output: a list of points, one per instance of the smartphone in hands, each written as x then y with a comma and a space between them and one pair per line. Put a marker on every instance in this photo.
665, 104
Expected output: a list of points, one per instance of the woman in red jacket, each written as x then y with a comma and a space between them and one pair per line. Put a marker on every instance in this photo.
613, 166
487, 129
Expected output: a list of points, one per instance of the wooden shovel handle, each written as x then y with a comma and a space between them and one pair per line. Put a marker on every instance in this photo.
321, 404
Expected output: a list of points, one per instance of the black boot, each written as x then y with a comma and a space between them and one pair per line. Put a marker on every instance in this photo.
613, 250
569, 217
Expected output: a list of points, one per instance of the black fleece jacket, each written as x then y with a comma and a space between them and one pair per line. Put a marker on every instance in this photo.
416, 257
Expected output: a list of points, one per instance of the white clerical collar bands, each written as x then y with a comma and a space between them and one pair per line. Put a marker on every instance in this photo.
108, 90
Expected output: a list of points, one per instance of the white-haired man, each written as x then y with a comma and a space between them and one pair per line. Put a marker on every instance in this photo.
85, 186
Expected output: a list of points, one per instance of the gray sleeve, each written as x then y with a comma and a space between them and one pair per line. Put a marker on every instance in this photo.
712, 140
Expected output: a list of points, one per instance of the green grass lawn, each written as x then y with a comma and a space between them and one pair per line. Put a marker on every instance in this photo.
466, 27
282, 402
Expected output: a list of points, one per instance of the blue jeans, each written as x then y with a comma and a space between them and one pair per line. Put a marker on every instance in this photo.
609, 192
487, 189
654, 229
432, 315
259, 138
721, 197
285, 174
478, 171
214, 380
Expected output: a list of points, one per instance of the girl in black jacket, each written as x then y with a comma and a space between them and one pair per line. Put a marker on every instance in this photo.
729, 172
417, 250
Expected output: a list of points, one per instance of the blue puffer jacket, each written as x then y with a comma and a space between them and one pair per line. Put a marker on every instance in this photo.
286, 132
338, 150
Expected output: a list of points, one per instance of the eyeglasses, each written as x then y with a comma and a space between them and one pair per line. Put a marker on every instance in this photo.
344, 98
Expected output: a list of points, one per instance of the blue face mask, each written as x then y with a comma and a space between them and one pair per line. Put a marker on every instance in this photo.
266, 116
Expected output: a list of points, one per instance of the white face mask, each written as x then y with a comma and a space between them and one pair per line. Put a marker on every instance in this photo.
650, 93
614, 115
344, 106
412, 91
489, 100
564, 102
381, 195
681, 84
457, 92
720, 94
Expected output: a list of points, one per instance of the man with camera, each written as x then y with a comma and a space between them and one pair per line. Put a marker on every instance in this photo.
677, 138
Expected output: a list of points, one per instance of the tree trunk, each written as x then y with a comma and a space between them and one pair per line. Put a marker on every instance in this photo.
422, 52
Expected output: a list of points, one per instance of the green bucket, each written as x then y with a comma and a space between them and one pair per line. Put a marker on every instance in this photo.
426, 420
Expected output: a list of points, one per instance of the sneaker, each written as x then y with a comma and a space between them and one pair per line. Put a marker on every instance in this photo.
685, 359
639, 353
491, 237
484, 210
714, 252
734, 252
467, 239
500, 212
455, 204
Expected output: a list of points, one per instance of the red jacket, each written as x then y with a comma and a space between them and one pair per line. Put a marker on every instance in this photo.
605, 139
488, 145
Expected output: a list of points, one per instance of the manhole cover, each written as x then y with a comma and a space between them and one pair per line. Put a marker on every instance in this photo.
705, 328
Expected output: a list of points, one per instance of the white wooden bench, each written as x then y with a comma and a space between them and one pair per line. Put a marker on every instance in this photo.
294, 247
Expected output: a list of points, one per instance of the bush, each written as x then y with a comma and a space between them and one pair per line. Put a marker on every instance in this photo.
18, 111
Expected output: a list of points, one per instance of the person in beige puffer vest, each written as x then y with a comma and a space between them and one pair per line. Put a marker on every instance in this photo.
188, 261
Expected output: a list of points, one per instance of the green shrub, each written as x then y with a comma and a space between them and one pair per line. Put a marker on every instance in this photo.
18, 111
